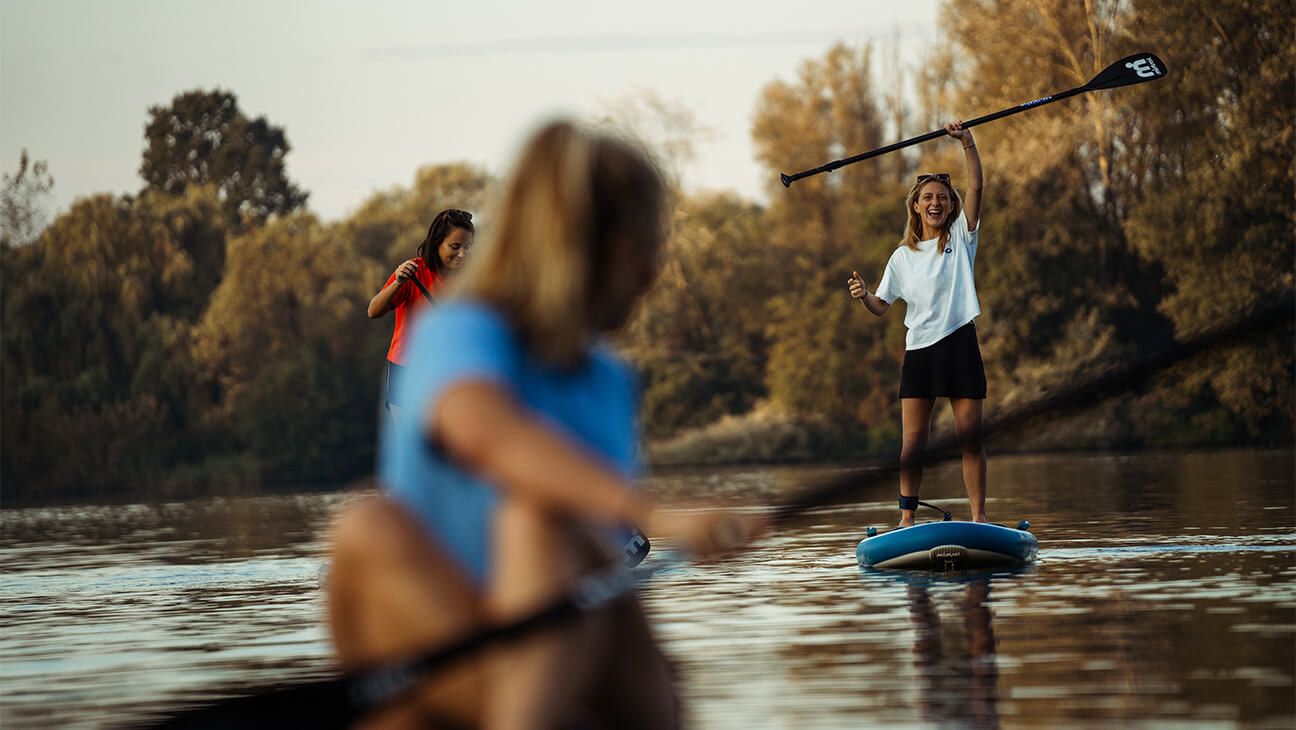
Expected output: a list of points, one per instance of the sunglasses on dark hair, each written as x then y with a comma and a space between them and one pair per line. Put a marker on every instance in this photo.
457, 215
937, 176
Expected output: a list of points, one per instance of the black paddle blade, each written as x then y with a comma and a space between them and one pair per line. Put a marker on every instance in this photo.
1134, 69
636, 548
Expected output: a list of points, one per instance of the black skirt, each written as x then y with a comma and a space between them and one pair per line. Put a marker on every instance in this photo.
951, 368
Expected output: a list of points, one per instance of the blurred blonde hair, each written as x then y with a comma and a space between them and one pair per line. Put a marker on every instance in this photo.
573, 243
913, 226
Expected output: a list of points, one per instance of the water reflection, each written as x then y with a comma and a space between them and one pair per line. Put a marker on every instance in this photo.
1165, 594
955, 660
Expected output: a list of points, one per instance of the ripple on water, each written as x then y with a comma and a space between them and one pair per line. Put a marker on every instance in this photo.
1163, 610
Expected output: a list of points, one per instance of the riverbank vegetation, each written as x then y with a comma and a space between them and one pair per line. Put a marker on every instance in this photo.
209, 331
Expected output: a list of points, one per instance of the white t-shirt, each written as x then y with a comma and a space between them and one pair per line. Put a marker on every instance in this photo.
938, 289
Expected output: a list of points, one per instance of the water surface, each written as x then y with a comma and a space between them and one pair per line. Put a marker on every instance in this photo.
1164, 596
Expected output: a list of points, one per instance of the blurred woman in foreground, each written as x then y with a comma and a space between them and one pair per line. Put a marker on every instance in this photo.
519, 469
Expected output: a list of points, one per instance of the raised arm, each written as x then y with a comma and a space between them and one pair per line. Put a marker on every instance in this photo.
971, 200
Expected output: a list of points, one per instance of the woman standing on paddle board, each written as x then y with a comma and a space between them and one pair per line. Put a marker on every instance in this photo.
510, 479
442, 252
932, 272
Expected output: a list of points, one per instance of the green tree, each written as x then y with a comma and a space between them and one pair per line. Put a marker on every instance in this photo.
202, 138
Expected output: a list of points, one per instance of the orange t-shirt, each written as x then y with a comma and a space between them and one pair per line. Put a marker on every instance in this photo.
408, 302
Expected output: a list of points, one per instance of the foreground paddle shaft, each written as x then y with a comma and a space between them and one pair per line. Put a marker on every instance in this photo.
1134, 69
340, 702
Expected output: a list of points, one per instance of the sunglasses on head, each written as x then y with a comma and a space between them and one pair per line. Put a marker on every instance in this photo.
457, 215
937, 176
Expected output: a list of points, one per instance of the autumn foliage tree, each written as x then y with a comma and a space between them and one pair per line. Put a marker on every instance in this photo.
293, 361
98, 390
826, 354
1123, 218
1218, 213
203, 138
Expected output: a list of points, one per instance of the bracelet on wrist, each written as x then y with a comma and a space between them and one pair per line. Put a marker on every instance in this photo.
970, 147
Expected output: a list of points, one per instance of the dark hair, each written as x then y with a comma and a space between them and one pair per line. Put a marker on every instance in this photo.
442, 224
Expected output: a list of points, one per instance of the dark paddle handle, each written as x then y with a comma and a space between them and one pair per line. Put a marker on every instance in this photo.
1135, 69
426, 294
829, 167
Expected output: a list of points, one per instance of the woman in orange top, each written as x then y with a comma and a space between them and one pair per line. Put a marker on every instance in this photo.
413, 284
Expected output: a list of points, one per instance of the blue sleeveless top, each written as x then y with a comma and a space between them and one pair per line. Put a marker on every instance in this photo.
461, 341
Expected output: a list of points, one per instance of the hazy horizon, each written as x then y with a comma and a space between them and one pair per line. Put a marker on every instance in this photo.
369, 94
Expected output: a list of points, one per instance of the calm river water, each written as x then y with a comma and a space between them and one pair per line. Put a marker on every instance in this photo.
1164, 596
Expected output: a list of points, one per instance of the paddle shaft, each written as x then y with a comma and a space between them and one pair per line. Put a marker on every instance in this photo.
426, 294
1135, 69
830, 166
341, 701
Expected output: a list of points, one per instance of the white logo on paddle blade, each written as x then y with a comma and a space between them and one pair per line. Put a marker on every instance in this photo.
1144, 67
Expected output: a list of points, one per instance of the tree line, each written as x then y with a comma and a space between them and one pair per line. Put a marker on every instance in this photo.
208, 331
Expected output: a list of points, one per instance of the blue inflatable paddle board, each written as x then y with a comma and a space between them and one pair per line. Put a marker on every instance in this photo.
948, 546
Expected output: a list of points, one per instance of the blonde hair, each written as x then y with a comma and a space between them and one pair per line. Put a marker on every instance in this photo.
913, 226
574, 242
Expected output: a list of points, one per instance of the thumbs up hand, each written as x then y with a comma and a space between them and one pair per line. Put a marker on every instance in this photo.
856, 285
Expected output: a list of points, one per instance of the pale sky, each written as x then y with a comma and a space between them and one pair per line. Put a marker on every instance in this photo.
369, 91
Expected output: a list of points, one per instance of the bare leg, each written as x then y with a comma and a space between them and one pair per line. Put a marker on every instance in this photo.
391, 592
967, 424
915, 421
